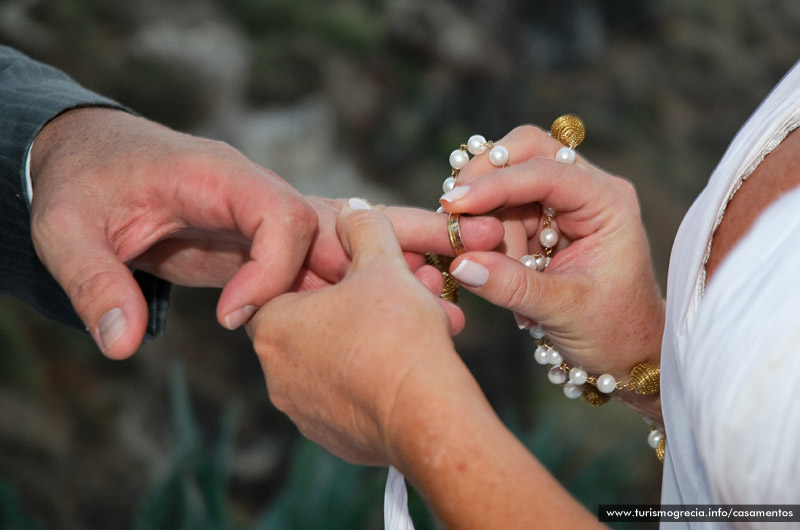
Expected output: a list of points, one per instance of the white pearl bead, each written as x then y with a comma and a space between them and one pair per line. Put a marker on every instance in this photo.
547, 261
458, 159
577, 376
448, 184
548, 211
541, 262
548, 237
498, 156
553, 357
528, 261
440, 209
540, 355
537, 332
566, 155
476, 144
654, 438
606, 383
572, 391
557, 376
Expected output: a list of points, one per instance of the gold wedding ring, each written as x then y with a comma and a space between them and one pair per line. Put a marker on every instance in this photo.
454, 231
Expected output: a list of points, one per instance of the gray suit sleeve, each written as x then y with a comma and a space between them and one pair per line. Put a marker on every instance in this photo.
32, 94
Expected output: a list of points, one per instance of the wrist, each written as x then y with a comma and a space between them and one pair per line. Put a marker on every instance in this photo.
57, 137
431, 398
649, 405
629, 370
472, 471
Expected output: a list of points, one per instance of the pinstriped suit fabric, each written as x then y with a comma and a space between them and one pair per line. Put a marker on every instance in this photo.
31, 94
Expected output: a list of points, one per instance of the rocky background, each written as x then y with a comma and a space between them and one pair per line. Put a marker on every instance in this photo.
347, 98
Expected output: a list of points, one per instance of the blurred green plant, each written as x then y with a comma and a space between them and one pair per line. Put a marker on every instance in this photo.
322, 491
193, 493
596, 467
594, 478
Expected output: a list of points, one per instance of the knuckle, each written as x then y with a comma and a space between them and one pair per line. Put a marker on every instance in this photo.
279, 399
87, 287
625, 186
522, 289
271, 360
48, 223
527, 133
301, 215
625, 190
365, 218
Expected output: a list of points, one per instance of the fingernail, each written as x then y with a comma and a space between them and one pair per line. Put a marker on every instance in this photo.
111, 327
471, 273
240, 316
455, 193
359, 204
522, 322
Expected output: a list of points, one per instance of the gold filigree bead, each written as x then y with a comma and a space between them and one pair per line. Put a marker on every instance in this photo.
646, 379
442, 263
593, 397
450, 289
661, 450
569, 130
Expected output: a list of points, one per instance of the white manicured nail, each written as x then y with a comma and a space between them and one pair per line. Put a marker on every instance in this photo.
455, 193
522, 322
471, 273
240, 316
111, 327
359, 204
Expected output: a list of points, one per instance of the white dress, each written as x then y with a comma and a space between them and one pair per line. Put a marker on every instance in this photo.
731, 351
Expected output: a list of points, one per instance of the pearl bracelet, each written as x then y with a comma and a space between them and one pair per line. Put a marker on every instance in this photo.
645, 380
594, 390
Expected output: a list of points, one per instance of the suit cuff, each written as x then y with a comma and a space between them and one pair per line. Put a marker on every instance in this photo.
28, 182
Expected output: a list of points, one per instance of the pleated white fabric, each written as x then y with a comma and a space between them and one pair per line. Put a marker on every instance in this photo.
741, 379
395, 502
731, 351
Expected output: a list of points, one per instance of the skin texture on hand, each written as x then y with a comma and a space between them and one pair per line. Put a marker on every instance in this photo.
598, 300
114, 191
332, 358
417, 231
367, 369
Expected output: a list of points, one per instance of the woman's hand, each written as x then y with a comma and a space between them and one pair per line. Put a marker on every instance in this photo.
337, 358
598, 300
366, 368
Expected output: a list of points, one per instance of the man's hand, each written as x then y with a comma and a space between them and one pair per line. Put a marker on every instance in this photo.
113, 191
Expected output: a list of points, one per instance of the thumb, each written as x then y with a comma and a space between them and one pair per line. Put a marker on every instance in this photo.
507, 283
368, 236
102, 290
